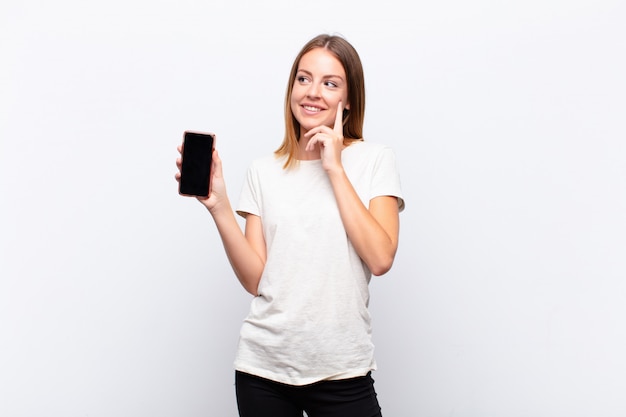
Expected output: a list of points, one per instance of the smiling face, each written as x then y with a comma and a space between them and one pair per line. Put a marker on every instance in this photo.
320, 84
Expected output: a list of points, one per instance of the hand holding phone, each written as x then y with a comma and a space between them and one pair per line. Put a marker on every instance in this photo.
195, 171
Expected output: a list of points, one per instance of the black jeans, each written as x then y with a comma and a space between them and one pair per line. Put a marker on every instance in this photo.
259, 397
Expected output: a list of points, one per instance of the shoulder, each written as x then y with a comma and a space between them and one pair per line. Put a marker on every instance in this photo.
368, 151
364, 147
367, 146
267, 162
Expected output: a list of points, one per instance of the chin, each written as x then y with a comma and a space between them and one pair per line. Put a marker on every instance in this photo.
307, 124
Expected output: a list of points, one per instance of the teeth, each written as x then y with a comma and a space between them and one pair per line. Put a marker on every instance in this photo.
309, 108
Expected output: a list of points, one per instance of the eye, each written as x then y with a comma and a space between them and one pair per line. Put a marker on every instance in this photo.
302, 79
331, 84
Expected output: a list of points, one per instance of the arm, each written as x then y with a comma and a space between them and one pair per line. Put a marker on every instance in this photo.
245, 252
372, 230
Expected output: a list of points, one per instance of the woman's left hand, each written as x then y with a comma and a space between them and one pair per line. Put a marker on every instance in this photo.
330, 141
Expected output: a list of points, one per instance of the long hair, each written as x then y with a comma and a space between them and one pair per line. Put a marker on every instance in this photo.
352, 119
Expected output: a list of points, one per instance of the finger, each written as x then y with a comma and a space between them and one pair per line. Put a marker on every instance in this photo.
216, 170
338, 128
216, 163
313, 132
312, 142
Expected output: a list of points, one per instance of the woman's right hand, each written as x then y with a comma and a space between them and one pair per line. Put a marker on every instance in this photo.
217, 188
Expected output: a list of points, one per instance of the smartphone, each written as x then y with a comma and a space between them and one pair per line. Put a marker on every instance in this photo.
195, 172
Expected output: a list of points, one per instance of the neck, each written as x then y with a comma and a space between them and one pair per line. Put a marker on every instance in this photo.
304, 155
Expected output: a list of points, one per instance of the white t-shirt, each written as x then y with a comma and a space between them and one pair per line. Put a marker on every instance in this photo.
310, 320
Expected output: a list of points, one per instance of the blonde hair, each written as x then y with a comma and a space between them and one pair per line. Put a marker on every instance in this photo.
352, 119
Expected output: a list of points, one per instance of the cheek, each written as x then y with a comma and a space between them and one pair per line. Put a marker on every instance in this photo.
344, 98
297, 91
296, 96
293, 104
333, 99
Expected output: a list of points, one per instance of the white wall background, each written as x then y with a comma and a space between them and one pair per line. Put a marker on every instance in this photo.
508, 296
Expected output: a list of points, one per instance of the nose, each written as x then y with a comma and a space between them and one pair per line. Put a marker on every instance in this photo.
314, 90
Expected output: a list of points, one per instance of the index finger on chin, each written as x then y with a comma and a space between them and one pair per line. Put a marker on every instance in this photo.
338, 128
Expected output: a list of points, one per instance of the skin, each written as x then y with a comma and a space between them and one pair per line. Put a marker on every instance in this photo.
317, 103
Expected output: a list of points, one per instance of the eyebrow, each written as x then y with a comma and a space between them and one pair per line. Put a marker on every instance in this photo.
324, 76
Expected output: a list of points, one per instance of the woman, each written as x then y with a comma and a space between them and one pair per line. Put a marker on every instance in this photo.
321, 218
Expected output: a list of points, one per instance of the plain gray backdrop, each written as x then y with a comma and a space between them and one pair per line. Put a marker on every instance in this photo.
508, 295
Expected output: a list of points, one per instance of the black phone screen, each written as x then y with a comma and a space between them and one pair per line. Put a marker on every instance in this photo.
195, 172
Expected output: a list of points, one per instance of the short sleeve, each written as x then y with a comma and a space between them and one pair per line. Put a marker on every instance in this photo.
386, 177
249, 202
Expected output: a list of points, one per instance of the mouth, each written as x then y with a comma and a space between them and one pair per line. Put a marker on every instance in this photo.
311, 109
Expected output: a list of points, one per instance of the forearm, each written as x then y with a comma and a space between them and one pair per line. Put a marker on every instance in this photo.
372, 231
245, 261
